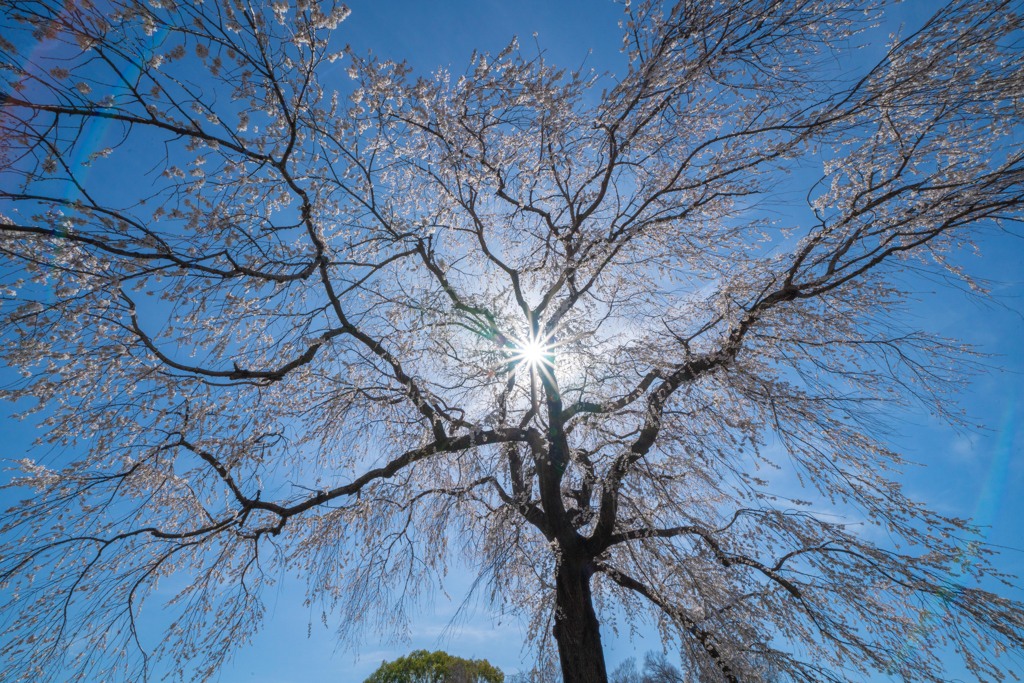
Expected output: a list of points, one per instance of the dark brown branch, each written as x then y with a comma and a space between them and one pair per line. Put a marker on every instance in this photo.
679, 615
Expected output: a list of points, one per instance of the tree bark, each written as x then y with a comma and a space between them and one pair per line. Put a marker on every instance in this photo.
577, 631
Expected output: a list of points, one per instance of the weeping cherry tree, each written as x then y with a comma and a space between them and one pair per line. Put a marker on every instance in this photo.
283, 308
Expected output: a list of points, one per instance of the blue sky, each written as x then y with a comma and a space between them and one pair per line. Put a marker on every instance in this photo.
979, 474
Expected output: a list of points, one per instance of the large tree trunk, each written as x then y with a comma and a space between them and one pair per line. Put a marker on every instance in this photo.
576, 627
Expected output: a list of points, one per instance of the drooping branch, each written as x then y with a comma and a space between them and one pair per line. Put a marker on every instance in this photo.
705, 638
727, 559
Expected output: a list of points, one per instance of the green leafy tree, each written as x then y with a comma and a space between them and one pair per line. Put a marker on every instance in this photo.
436, 667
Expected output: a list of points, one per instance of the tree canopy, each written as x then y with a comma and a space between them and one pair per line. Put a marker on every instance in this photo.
421, 666
314, 312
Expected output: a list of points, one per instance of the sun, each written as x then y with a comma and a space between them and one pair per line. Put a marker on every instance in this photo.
535, 352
